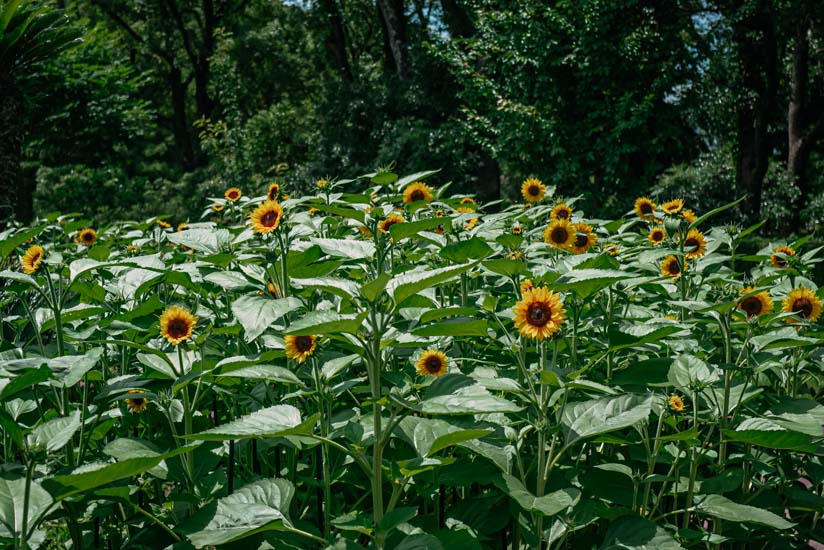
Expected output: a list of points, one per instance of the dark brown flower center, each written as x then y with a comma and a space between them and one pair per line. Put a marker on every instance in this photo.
752, 305
88, 237
692, 242
646, 208
803, 307
433, 364
534, 190
303, 343
673, 267
539, 314
178, 328
269, 219
137, 401
35, 257
417, 195
581, 240
779, 261
657, 236
559, 235
562, 214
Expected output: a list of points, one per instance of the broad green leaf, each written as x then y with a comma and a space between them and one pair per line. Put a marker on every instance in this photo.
765, 433
209, 241
440, 313
458, 394
230, 281
546, 505
342, 287
801, 415
262, 372
12, 504
586, 282
584, 419
373, 289
711, 213
256, 313
639, 335
273, 421
400, 231
689, 372
326, 322
420, 541
403, 286
508, 268
259, 506
53, 435
412, 178
18, 277
346, 248
456, 327
635, 533
396, 517
470, 249
430, 435
8, 244
351, 213
24, 381
724, 508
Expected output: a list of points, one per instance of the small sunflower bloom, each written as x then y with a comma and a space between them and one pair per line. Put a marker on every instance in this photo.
671, 267
266, 217
561, 212
300, 348
322, 184
695, 245
584, 238
390, 220
87, 236
689, 216
676, 403
164, 224
217, 207
438, 213
657, 235
533, 190
470, 223
233, 194
432, 362
416, 192
539, 314
274, 192
32, 259
673, 207
517, 230
560, 234
182, 226
612, 249
177, 324
527, 286
780, 255
136, 405
468, 200
804, 303
515, 255
644, 208
756, 304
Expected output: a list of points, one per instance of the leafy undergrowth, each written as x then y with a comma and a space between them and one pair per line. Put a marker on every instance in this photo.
400, 368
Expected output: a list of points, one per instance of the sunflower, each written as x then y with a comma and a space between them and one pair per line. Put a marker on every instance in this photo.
274, 290
432, 362
757, 304
804, 303
517, 230
300, 348
439, 230
644, 208
439, 213
673, 207
266, 217
137, 405
274, 192
177, 324
515, 255
182, 226
527, 286
612, 249
32, 258
676, 403
657, 235
539, 314
584, 238
465, 210
87, 236
670, 267
217, 207
285, 197
417, 191
364, 231
468, 200
470, 223
313, 211
533, 190
233, 194
559, 233
321, 184
164, 224
780, 255
390, 220
689, 216
695, 245
561, 212
132, 249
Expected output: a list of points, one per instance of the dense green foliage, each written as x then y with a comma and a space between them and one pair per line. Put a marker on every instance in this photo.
171, 99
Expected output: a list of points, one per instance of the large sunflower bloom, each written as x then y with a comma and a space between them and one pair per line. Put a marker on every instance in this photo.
432, 362
177, 324
273, 192
673, 207
657, 235
137, 405
779, 256
670, 267
584, 238
539, 314
757, 304
533, 190
695, 245
300, 348
417, 191
32, 258
233, 194
560, 234
390, 220
266, 217
644, 208
87, 236
561, 212
804, 303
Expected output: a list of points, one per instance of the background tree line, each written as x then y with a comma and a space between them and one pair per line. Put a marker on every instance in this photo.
165, 102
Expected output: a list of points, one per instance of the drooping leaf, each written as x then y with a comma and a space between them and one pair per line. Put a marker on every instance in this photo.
547, 505
256, 313
721, 507
598, 416
273, 421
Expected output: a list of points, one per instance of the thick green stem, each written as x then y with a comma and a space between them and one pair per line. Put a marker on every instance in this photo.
324, 431
377, 448
540, 471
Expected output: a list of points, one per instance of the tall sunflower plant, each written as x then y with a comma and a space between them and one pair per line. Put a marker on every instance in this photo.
383, 363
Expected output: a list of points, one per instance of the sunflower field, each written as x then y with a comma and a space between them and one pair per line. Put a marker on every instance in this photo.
402, 368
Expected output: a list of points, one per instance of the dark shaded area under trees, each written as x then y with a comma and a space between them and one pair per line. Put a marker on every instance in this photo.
166, 102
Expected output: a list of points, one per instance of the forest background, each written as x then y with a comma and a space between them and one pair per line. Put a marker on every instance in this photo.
148, 107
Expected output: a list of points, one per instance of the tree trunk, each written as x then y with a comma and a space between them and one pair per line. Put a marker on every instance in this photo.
394, 20
202, 68
758, 57
488, 173
337, 38
11, 135
180, 122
